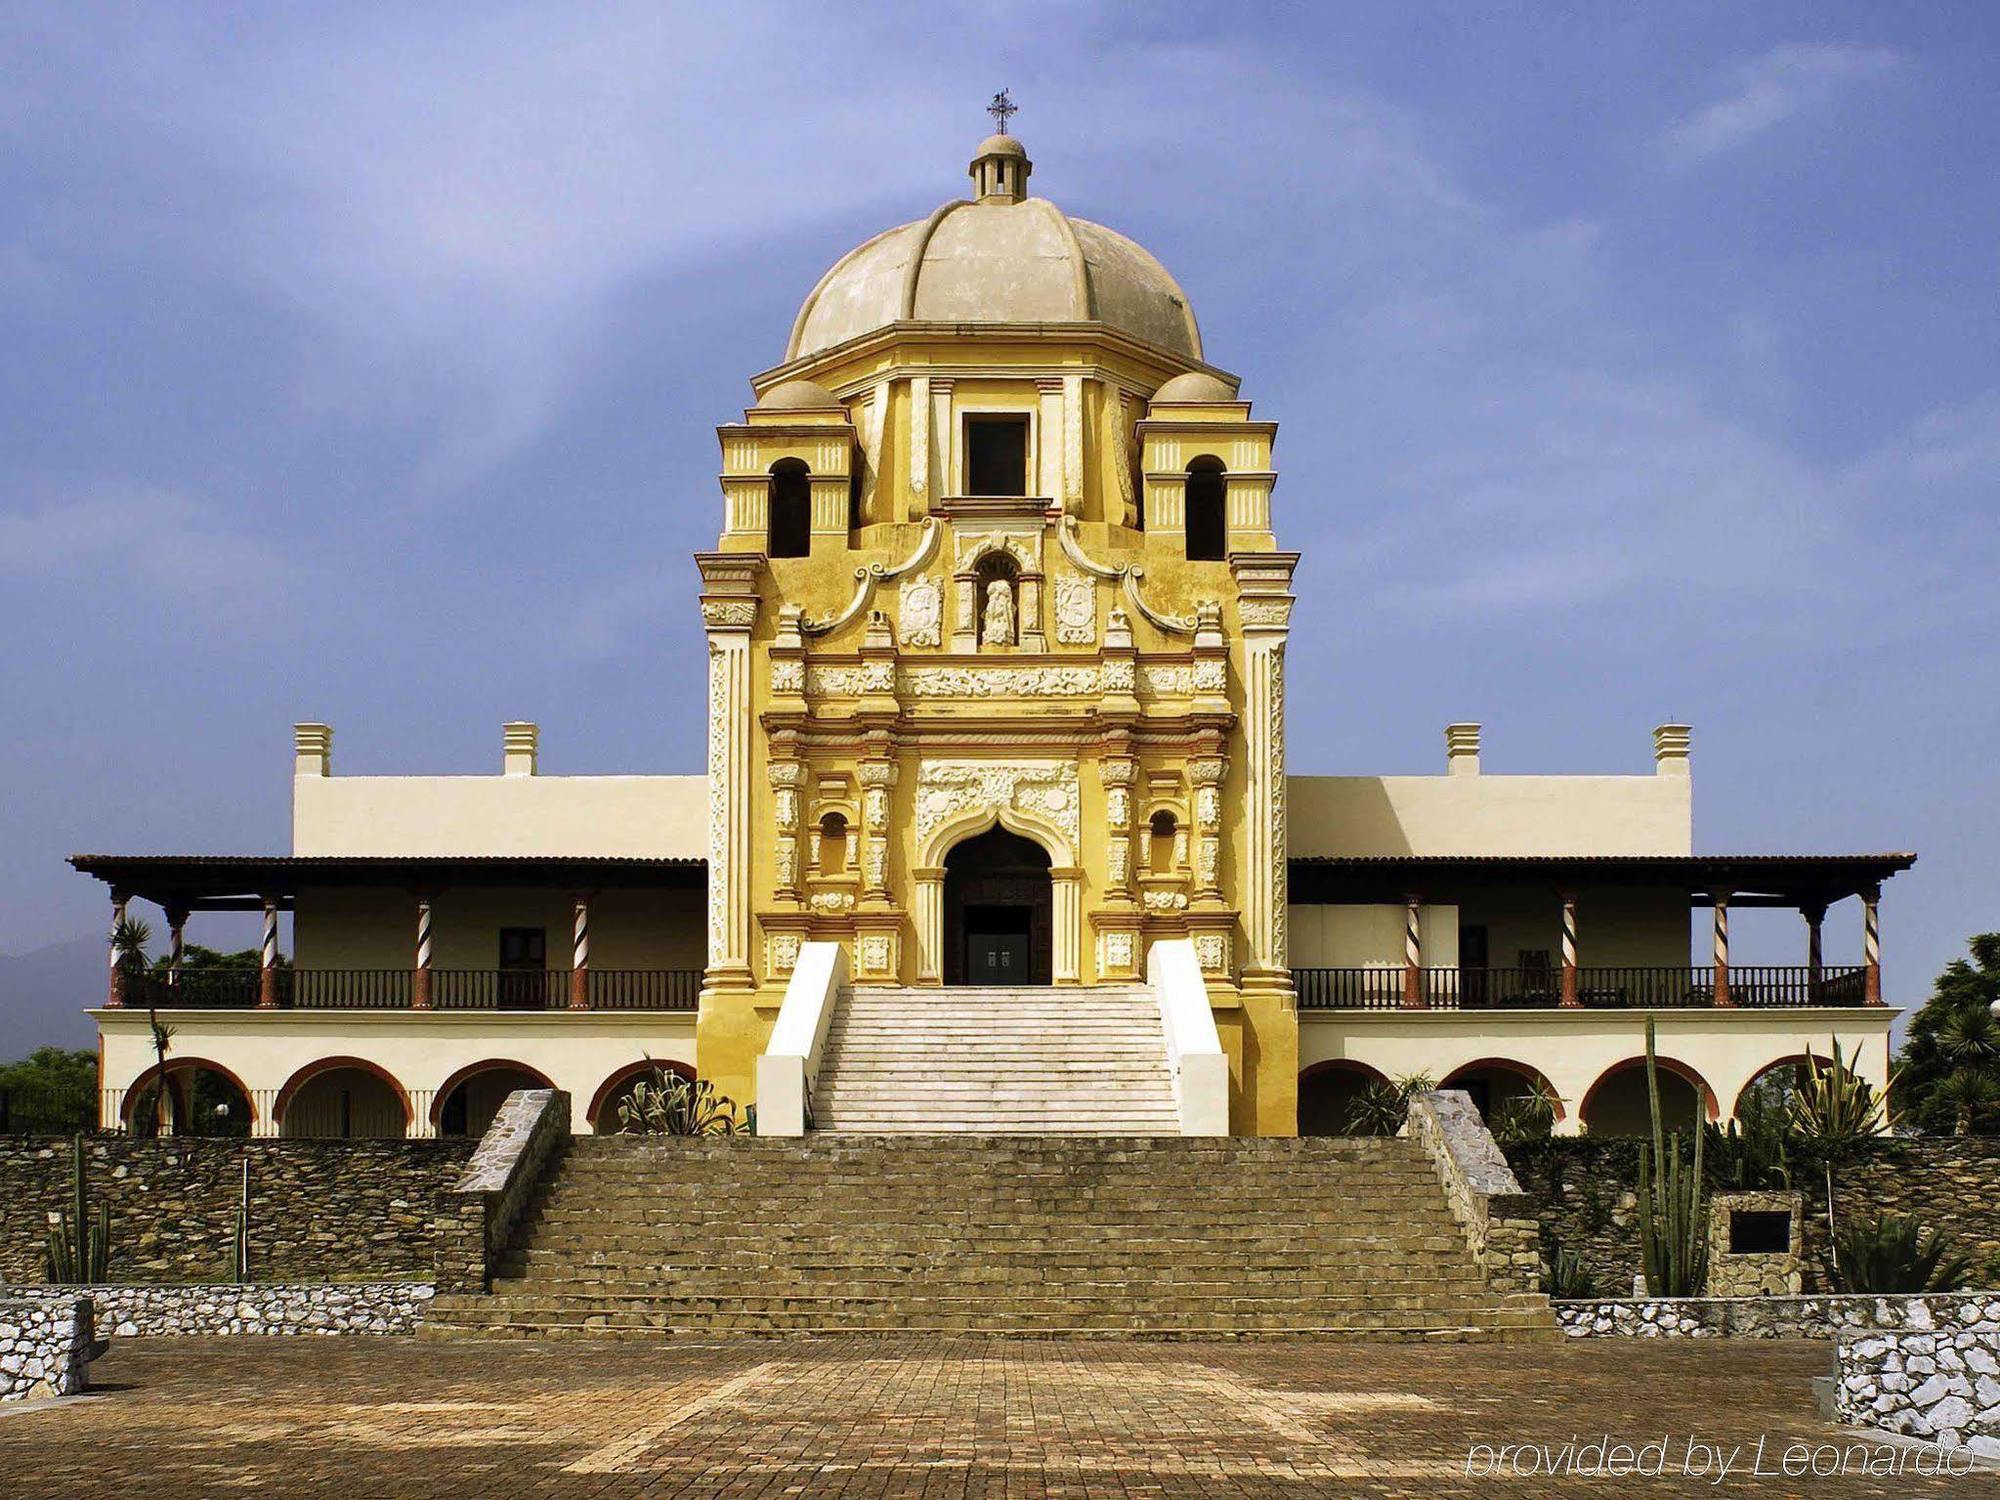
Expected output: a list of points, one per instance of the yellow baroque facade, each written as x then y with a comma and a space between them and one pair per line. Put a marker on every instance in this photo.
998, 553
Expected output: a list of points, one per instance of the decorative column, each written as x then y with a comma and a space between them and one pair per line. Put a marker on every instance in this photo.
421, 995
1264, 610
114, 997
943, 456
1722, 999
920, 447
176, 944
1070, 498
1066, 919
1569, 995
930, 924
1871, 945
267, 978
729, 604
1413, 953
1049, 469
878, 777
579, 955
1815, 915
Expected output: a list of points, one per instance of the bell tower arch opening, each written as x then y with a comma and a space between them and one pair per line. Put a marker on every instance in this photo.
998, 910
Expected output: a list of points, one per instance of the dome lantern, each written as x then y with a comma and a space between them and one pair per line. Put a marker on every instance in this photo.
1000, 169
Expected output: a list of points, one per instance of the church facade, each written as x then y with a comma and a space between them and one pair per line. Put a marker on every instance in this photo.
998, 624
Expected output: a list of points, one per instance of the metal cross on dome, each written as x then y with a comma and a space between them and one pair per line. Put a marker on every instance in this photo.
1001, 109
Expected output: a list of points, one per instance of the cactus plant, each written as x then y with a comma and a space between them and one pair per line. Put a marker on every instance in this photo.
79, 1246
1673, 1231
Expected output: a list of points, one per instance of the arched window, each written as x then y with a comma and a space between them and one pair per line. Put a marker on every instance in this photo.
832, 844
1161, 851
790, 531
1207, 523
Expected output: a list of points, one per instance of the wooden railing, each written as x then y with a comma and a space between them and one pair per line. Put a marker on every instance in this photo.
395, 989
1758, 987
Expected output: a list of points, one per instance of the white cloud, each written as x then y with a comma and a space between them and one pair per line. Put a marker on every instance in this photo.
165, 540
1784, 82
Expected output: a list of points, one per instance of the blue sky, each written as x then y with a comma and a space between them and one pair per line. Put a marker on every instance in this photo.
1633, 362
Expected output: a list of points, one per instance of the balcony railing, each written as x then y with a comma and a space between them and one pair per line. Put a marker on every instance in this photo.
1633, 988
395, 989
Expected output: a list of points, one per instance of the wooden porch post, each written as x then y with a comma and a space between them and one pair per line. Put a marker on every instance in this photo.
1721, 902
1815, 915
176, 944
579, 968
1871, 944
114, 997
1569, 995
421, 995
267, 979
1413, 955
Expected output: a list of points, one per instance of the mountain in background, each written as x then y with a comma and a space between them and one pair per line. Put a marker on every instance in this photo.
43, 994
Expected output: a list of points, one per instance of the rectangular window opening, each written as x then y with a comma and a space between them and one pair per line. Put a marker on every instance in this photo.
996, 455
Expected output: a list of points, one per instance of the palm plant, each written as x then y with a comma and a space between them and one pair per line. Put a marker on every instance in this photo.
1381, 1108
129, 940
1955, 1036
1526, 1117
1966, 1095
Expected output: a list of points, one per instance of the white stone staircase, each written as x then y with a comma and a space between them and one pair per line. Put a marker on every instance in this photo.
996, 1061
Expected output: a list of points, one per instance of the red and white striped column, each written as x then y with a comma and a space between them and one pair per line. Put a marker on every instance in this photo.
176, 944
422, 994
1721, 900
1569, 995
1871, 945
579, 963
267, 978
1413, 954
1815, 916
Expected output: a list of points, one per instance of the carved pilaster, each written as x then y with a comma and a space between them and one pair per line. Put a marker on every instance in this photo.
1206, 772
1264, 608
788, 779
1119, 775
729, 604
878, 779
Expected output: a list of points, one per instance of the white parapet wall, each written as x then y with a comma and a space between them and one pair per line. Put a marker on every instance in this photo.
1195, 1057
790, 1064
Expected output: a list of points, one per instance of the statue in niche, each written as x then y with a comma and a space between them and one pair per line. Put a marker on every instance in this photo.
996, 622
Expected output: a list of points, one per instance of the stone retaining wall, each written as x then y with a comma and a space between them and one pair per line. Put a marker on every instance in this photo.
379, 1307
1584, 1193
319, 1210
44, 1346
1941, 1383
479, 1213
1815, 1317
1497, 1217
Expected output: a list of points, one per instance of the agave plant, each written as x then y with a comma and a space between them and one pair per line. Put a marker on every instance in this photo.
1565, 1275
1897, 1254
1749, 1153
667, 1104
1381, 1108
1832, 1103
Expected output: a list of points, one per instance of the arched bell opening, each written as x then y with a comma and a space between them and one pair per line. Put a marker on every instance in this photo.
999, 904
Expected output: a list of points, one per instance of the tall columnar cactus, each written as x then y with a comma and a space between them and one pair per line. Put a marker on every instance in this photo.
79, 1248
1673, 1232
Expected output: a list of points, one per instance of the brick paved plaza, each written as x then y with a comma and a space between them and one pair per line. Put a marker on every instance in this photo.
359, 1417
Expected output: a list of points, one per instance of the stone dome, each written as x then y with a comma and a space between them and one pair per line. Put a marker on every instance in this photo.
1000, 258
797, 395
1195, 385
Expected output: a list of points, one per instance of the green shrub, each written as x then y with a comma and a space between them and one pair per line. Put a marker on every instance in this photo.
1565, 1275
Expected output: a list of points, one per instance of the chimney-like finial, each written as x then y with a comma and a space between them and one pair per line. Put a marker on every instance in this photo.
520, 743
1002, 109
1461, 749
1670, 749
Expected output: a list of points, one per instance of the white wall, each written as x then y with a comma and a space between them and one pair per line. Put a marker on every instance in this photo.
1520, 815
649, 817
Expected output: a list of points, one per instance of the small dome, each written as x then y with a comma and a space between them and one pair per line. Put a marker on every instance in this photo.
1196, 385
797, 395
1001, 258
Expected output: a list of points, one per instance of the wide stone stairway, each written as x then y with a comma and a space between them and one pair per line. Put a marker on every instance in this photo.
1005, 1061
640, 1237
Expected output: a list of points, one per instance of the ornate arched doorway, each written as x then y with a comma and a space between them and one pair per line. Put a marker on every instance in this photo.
998, 911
